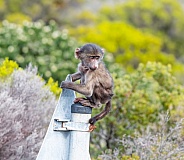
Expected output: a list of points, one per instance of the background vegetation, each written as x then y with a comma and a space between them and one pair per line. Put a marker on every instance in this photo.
26, 106
42, 45
144, 47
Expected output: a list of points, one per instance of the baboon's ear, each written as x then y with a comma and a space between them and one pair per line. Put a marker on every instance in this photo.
76, 53
103, 52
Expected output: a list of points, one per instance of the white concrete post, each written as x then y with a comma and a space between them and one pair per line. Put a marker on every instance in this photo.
79, 140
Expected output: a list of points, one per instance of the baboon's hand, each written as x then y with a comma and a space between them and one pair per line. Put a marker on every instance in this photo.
92, 120
64, 84
83, 69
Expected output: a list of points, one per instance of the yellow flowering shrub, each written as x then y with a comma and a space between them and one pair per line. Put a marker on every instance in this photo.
53, 86
7, 67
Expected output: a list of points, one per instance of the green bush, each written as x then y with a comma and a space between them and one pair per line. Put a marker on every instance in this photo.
159, 142
129, 45
139, 31
43, 45
139, 99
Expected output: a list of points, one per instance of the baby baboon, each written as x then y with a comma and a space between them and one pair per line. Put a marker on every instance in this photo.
96, 82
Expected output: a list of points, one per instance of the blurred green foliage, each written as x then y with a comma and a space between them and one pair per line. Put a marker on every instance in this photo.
140, 97
119, 37
139, 31
163, 18
157, 142
129, 46
17, 18
18, 11
64, 12
45, 46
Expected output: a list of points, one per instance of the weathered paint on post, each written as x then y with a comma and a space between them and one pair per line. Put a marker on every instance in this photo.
79, 140
55, 145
